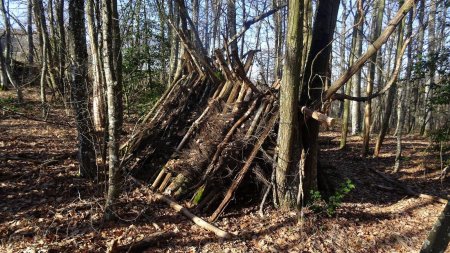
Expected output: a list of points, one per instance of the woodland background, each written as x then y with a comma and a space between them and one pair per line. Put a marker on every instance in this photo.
302, 125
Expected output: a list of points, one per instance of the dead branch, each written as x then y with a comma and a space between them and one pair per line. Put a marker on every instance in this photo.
371, 50
318, 116
197, 220
389, 84
237, 181
227, 138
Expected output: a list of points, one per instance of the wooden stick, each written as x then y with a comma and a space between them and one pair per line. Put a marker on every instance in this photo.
237, 181
179, 208
197, 220
165, 182
158, 179
194, 126
318, 116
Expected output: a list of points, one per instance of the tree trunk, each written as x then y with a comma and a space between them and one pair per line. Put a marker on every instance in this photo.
30, 32
231, 27
98, 101
317, 66
349, 85
7, 73
377, 22
356, 82
415, 89
278, 34
79, 69
402, 98
287, 178
112, 84
61, 44
390, 96
426, 121
117, 62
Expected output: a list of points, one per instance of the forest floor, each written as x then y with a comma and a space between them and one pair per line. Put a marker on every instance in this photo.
46, 207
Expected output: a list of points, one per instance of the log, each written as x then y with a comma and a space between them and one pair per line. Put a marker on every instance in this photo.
322, 118
237, 181
407, 189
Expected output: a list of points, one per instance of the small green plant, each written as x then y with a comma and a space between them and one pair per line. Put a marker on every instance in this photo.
8, 103
318, 204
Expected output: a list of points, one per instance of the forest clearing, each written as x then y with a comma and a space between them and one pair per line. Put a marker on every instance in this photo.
224, 126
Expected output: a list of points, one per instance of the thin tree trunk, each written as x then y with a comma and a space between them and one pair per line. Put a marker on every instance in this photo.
5, 59
30, 31
231, 27
349, 85
377, 22
61, 45
426, 121
79, 69
115, 175
415, 88
390, 96
98, 102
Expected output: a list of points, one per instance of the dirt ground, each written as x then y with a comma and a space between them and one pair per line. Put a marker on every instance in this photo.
46, 207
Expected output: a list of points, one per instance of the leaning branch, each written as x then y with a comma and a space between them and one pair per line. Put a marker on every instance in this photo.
372, 49
389, 84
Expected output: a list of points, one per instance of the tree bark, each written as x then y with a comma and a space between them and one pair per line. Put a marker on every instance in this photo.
356, 87
114, 122
317, 66
287, 178
349, 86
79, 69
5, 61
98, 101
30, 31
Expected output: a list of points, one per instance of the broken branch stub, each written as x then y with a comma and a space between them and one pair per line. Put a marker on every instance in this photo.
322, 118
